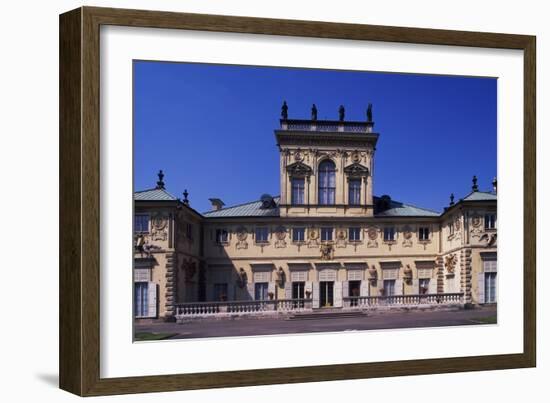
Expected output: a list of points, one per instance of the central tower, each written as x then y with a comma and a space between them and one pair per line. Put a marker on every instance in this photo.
326, 166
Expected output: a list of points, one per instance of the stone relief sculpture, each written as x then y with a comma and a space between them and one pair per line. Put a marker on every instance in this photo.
476, 230
407, 237
242, 278
280, 235
341, 236
450, 263
313, 238
326, 252
372, 235
280, 277
242, 234
159, 231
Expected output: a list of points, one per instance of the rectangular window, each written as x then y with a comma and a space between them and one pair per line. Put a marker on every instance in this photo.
220, 292
140, 299
451, 228
389, 287
490, 288
354, 234
297, 194
423, 285
490, 221
326, 234
260, 291
221, 236
354, 193
423, 233
141, 223
298, 234
389, 234
189, 230
261, 234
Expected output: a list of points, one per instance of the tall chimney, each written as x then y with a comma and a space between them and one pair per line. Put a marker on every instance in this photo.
217, 204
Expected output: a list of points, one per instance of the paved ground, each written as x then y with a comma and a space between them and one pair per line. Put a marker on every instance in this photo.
268, 326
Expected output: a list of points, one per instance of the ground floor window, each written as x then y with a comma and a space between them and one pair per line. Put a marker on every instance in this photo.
260, 291
326, 293
354, 291
220, 292
140, 298
298, 289
423, 285
490, 288
389, 287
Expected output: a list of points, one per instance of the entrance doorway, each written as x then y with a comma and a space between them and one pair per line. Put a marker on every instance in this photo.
326, 294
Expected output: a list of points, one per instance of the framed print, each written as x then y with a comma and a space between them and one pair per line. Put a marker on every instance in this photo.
251, 201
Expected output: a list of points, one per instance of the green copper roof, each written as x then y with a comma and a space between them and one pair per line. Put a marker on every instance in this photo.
153, 195
481, 196
252, 209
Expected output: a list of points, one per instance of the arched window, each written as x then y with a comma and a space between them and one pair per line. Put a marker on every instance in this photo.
327, 182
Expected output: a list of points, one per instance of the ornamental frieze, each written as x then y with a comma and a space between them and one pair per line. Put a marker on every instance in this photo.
242, 235
280, 236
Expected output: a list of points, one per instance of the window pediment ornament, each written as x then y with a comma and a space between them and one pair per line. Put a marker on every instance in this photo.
299, 169
356, 170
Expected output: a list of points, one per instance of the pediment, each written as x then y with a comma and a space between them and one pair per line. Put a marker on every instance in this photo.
299, 169
356, 170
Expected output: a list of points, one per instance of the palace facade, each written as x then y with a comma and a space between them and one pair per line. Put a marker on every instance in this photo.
325, 242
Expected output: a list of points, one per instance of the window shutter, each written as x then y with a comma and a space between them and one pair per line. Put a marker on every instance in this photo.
481, 288
308, 287
271, 288
316, 295
288, 290
399, 287
415, 286
250, 287
337, 294
345, 289
364, 288
432, 286
151, 299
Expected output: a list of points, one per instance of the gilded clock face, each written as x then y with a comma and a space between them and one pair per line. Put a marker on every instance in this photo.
312, 234
476, 221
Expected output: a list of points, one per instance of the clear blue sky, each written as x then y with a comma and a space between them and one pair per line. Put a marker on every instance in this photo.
210, 128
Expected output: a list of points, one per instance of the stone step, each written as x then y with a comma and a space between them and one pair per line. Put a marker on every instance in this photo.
327, 315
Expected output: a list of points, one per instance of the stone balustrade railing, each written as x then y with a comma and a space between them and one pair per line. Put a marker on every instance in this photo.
242, 308
404, 300
224, 308
327, 126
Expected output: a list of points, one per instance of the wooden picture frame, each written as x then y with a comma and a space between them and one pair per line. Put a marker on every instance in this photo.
80, 184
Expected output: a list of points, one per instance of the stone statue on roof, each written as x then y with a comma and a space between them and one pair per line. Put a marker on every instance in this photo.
313, 112
342, 113
369, 113
284, 111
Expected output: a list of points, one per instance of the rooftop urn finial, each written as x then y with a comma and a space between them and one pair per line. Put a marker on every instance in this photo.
185, 199
313, 112
452, 202
342, 113
284, 111
369, 113
475, 188
160, 182
494, 185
